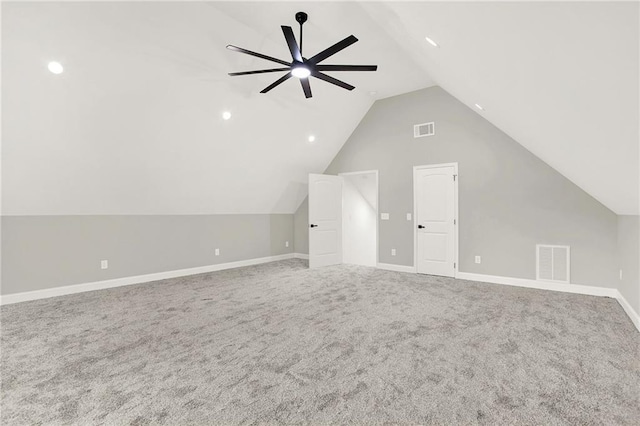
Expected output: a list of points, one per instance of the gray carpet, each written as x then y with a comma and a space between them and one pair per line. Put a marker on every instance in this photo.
278, 343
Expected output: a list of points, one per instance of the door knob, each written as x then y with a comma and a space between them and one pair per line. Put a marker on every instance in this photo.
313, 226
421, 227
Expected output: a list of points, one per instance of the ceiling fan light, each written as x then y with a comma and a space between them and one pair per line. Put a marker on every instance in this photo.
301, 71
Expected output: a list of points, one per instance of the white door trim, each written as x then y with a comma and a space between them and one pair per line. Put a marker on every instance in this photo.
455, 210
377, 207
358, 173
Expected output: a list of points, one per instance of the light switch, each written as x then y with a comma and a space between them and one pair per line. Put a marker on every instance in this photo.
408, 216
384, 216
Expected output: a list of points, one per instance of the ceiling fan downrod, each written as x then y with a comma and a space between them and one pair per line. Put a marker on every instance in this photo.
301, 18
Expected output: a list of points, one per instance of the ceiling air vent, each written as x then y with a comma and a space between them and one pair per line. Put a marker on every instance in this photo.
424, 129
553, 263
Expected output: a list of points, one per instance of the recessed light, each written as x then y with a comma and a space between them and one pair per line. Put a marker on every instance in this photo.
479, 107
311, 139
431, 42
55, 67
226, 115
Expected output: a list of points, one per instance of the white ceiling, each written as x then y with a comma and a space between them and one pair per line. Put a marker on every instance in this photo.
561, 78
365, 184
133, 125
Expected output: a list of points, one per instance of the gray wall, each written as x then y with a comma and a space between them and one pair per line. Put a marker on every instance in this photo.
40, 252
301, 224
509, 199
629, 259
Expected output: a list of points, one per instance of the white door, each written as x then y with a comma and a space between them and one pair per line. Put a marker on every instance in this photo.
435, 215
325, 220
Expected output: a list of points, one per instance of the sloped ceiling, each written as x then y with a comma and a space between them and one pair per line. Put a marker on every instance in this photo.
365, 184
133, 125
561, 78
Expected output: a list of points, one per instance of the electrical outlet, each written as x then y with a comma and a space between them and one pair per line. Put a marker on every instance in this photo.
286, 244
408, 216
478, 259
393, 252
384, 216
104, 264
217, 252
620, 274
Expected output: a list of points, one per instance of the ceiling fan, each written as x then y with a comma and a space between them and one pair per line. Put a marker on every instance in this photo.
302, 67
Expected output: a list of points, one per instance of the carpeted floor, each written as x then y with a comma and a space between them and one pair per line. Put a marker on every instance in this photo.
279, 343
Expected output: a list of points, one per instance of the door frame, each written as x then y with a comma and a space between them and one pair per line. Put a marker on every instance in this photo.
456, 236
377, 207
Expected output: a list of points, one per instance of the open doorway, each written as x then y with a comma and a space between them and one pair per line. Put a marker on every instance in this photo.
360, 218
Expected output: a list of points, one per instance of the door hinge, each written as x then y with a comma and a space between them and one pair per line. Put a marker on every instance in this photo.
454, 177
454, 221
454, 265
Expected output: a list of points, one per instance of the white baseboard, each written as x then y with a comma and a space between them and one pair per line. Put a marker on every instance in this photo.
541, 285
396, 268
138, 279
567, 288
635, 318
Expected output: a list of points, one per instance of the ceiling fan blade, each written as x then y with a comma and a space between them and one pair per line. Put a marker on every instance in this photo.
329, 79
277, 82
291, 42
306, 87
333, 49
346, 67
258, 71
257, 55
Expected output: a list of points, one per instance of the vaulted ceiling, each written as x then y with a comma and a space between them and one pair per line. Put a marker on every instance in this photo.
133, 125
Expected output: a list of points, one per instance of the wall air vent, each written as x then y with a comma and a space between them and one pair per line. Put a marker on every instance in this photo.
553, 263
424, 129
